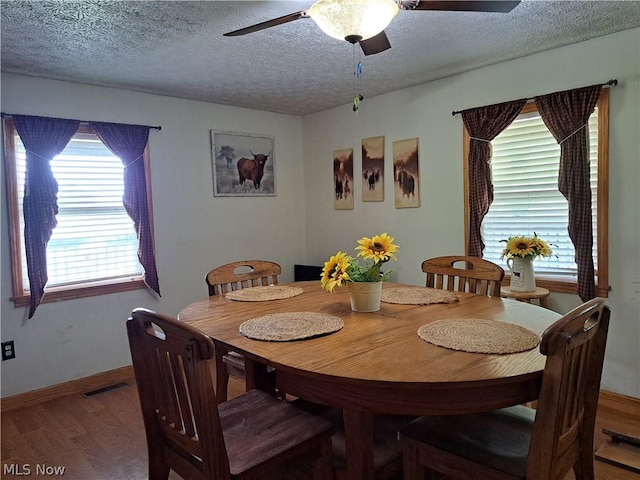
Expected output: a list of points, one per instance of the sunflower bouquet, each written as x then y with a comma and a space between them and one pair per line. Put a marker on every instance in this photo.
526, 247
342, 267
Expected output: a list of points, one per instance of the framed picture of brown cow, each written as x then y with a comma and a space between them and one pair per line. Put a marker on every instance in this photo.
244, 164
406, 174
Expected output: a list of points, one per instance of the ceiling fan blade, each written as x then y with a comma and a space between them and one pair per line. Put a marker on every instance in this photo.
269, 23
376, 44
498, 6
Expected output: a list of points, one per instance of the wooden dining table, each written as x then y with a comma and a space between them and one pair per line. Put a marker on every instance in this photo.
377, 363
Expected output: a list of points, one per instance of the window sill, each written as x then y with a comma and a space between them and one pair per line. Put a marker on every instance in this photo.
562, 284
57, 294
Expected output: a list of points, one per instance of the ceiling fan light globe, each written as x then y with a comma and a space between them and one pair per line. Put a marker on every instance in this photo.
348, 18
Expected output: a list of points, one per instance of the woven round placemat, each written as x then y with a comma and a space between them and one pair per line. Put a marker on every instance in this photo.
479, 335
263, 294
417, 296
284, 327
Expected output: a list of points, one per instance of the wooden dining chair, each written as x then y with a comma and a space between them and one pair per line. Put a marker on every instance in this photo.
519, 442
227, 278
464, 274
253, 436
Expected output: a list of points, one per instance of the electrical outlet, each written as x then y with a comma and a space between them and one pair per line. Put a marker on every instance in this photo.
8, 350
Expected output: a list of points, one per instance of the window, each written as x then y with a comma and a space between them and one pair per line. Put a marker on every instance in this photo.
93, 249
524, 164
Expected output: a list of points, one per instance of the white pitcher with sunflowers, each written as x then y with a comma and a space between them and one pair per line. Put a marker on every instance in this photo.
522, 277
520, 252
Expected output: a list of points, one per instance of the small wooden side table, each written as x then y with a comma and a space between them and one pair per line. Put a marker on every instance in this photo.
540, 294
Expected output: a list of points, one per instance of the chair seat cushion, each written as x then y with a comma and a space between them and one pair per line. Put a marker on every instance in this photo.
498, 439
256, 426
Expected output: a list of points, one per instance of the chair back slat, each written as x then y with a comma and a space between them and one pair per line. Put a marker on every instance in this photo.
242, 274
182, 395
167, 402
566, 412
176, 394
463, 274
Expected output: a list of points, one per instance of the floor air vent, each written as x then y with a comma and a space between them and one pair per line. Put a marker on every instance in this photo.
93, 393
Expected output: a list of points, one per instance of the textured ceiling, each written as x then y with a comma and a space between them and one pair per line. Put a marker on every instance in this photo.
176, 48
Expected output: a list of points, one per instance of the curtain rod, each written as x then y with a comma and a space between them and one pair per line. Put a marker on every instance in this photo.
10, 115
610, 83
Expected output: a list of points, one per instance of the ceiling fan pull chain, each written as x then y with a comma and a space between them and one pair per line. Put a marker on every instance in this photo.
357, 76
356, 102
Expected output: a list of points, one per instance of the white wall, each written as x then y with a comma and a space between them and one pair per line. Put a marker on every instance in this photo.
436, 227
195, 231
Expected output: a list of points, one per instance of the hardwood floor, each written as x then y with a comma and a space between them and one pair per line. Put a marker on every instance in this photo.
102, 438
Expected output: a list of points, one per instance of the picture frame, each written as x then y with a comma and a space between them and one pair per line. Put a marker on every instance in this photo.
406, 173
343, 179
373, 169
243, 164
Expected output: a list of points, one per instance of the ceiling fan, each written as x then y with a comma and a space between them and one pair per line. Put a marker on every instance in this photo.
364, 21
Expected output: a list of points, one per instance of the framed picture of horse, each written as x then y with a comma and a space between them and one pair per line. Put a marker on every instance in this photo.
406, 174
343, 179
244, 165
373, 169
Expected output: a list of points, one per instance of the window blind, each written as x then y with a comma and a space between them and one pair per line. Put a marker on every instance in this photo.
95, 239
525, 164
